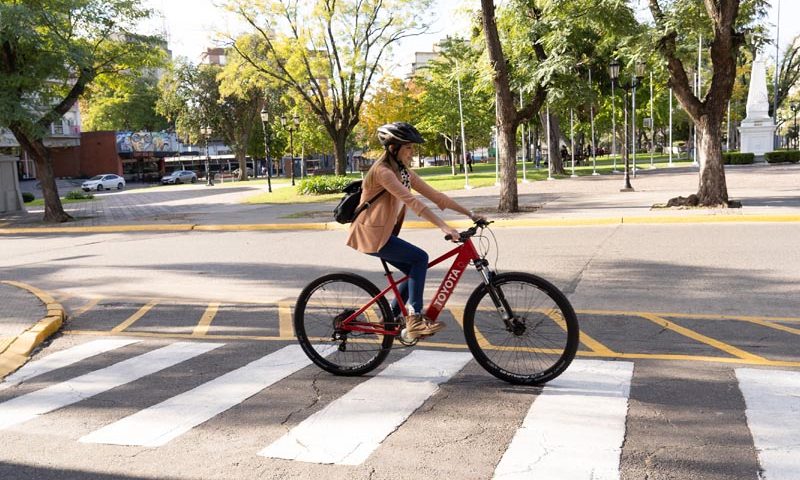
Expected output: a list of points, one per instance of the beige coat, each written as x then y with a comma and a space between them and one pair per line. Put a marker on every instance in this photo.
372, 228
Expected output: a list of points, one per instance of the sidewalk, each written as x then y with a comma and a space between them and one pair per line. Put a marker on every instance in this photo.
766, 192
28, 316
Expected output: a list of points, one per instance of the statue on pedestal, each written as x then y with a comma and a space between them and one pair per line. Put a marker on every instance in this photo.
758, 129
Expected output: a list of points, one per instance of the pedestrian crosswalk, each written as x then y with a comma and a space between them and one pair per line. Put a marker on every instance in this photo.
348, 430
161, 423
773, 415
575, 427
579, 415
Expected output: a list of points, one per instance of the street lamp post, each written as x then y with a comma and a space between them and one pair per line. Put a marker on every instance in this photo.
613, 72
463, 138
264, 121
627, 87
293, 125
591, 119
206, 132
795, 107
572, 141
635, 81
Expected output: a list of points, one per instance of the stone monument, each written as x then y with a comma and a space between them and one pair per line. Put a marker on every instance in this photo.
10, 197
758, 129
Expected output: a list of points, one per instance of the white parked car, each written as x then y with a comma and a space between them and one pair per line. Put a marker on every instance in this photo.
106, 181
179, 176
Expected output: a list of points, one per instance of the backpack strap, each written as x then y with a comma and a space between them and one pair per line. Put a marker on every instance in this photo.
367, 204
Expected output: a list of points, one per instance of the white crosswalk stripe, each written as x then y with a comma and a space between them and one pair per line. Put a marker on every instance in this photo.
27, 407
349, 429
773, 415
574, 430
157, 425
64, 358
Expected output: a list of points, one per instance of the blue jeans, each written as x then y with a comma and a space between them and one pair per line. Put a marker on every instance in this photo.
412, 261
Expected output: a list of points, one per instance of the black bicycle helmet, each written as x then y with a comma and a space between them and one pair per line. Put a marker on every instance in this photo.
399, 133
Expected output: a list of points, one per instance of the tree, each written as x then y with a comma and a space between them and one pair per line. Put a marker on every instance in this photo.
788, 74
707, 113
545, 42
328, 52
437, 103
507, 116
122, 102
218, 97
50, 52
392, 100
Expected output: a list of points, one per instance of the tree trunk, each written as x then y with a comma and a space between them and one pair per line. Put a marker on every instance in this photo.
507, 144
713, 190
707, 112
53, 209
506, 113
241, 158
553, 143
340, 154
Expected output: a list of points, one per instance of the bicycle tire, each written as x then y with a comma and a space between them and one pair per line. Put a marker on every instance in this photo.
332, 298
544, 338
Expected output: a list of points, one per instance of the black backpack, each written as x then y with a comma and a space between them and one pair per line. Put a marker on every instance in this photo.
349, 208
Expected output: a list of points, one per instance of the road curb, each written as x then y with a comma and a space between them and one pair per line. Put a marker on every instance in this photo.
17, 350
500, 223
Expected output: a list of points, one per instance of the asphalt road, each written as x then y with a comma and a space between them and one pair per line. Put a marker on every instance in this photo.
693, 325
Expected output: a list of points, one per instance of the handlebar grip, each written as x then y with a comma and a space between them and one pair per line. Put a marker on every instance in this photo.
448, 237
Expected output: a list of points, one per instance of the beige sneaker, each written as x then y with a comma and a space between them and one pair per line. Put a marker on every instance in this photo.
418, 326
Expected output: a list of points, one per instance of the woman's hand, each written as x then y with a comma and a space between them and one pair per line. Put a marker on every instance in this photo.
454, 235
475, 217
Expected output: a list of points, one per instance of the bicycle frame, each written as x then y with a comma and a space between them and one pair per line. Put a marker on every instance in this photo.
464, 253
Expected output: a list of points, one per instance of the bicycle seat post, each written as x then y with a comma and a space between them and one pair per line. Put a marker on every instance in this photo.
386, 267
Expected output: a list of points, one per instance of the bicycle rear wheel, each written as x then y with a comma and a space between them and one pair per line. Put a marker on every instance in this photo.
319, 312
540, 340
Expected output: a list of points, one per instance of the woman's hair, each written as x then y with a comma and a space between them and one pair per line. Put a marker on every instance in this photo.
387, 158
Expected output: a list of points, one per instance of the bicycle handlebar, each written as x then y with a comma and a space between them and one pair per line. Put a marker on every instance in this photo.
462, 236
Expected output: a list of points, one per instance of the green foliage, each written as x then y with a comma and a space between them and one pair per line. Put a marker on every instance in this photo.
436, 109
327, 53
78, 195
323, 184
226, 99
780, 156
54, 49
737, 158
123, 102
27, 197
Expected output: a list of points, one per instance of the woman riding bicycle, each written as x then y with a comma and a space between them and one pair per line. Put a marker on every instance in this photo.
375, 230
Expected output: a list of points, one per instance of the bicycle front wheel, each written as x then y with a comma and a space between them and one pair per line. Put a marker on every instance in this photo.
318, 315
536, 344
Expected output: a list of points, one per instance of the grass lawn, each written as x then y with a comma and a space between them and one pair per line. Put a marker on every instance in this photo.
483, 175
39, 202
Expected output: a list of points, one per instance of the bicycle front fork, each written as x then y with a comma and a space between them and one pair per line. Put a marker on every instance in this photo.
500, 303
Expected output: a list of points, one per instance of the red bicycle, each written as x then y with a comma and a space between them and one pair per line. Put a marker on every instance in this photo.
518, 326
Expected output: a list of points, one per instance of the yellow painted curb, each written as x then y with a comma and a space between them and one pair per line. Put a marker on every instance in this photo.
18, 349
500, 223
262, 226
180, 227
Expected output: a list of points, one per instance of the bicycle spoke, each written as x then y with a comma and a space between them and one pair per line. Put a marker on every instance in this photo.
538, 338
325, 304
